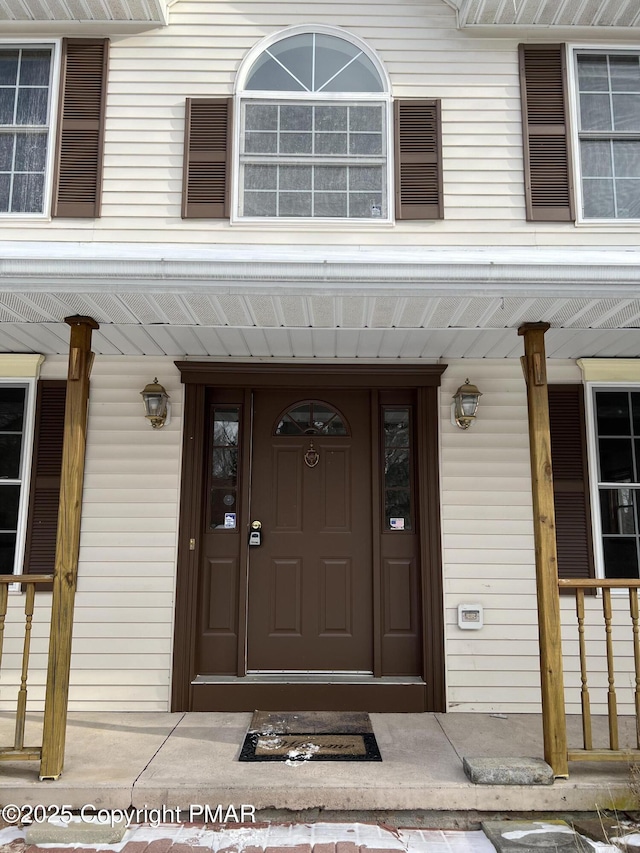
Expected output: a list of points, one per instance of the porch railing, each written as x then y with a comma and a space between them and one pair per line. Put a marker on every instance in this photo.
614, 752
30, 582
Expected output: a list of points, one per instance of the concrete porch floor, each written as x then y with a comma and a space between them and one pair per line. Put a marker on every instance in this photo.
119, 760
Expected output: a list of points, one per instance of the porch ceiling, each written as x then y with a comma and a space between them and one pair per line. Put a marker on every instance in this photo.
333, 303
548, 13
328, 327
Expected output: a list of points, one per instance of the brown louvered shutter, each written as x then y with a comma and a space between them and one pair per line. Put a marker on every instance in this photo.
418, 160
570, 481
78, 174
42, 521
207, 148
548, 175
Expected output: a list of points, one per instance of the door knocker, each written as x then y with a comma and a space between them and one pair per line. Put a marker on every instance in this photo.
311, 457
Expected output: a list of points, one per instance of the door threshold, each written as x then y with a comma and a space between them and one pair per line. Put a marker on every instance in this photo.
307, 678
303, 692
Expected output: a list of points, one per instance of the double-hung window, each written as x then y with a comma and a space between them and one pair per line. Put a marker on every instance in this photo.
25, 116
314, 125
608, 117
617, 439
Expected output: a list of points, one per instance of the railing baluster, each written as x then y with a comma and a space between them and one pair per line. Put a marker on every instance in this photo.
584, 692
21, 711
633, 607
30, 582
611, 694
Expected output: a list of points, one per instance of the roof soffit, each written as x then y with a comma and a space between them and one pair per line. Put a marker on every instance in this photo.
104, 17
510, 14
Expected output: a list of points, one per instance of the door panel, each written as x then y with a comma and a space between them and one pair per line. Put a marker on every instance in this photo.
285, 597
310, 581
336, 613
287, 486
223, 595
336, 489
400, 600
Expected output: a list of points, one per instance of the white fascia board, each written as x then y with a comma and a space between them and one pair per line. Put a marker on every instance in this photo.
92, 267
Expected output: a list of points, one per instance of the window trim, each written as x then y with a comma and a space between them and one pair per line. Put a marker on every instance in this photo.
592, 454
26, 461
54, 110
242, 95
574, 129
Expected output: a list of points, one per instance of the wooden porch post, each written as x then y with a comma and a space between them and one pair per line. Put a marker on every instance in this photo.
551, 674
67, 546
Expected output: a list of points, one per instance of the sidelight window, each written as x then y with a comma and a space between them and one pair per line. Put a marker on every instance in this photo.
224, 467
397, 468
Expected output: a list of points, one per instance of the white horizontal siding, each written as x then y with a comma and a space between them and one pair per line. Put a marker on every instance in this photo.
198, 55
123, 621
488, 552
485, 491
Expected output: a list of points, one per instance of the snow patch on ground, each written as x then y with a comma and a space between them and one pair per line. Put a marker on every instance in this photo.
238, 838
517, 834
631, 840
288, 835
11, 833
544, 828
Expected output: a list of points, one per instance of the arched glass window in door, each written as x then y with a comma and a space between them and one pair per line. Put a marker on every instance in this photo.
312, 417
313, 131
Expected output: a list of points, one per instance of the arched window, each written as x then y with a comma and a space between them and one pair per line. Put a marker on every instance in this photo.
313, 417
313, 129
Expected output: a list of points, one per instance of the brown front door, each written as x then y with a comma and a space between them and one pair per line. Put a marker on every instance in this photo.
310, 579
339, 464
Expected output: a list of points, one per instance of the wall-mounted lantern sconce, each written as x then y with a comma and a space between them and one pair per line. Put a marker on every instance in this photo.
156, 404
465, 405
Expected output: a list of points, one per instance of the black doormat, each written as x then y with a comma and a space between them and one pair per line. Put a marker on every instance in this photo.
310, 736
